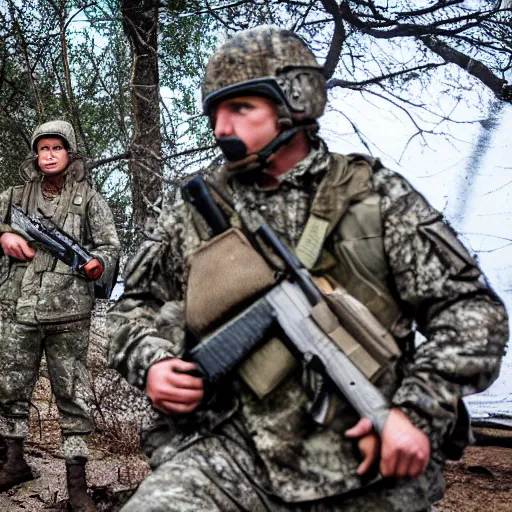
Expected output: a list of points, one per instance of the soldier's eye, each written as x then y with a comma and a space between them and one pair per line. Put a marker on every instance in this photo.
241, 107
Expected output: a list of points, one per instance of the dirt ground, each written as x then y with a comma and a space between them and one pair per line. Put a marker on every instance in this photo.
480, 482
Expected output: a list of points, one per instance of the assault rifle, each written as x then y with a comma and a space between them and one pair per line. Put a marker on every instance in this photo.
43, 233
290, 304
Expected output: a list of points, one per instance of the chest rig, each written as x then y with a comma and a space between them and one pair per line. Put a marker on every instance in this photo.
341, 244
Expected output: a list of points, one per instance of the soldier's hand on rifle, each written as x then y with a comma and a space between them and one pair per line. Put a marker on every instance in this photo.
404, 448
93, 269
16, 246
368, 444
173, 390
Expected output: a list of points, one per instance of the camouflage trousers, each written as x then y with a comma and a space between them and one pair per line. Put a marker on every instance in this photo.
219, 473
65, 346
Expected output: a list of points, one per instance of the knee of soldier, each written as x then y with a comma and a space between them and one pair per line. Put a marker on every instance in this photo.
174, 487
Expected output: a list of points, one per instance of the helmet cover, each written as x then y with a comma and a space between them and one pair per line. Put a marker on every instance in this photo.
269, 62
57, 128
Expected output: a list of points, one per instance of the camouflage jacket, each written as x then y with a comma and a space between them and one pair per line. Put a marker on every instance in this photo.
463, 322
46, 290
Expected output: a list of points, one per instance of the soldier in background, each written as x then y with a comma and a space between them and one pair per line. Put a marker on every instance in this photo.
46, 306
254, 445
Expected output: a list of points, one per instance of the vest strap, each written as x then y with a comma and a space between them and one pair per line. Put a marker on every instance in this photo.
312, 241
347, 180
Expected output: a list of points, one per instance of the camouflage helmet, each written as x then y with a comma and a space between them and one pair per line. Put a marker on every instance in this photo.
270, 62
57, 128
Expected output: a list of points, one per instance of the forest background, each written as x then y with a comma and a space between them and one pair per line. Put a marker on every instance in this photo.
424, 84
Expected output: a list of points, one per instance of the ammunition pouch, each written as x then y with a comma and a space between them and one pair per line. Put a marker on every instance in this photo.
240, 276
355, 330
370, 347
225, 275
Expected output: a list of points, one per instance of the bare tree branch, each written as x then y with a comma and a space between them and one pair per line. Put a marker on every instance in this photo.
499, 86
338, 38
103, 161
335, 82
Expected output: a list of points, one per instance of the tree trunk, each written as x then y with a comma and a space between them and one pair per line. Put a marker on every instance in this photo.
140, 22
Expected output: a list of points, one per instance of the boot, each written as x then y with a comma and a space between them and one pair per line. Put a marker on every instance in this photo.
79, 500
15, 470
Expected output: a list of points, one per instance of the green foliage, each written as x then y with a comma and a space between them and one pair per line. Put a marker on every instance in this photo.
35, 55
184, 46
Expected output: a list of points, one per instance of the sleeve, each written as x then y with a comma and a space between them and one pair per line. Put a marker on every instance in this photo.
147, 324
5, 203
463, 321
102, 240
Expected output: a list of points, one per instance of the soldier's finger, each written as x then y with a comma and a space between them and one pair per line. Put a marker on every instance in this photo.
361, 428
389, 458
403, 463
369, 448
177, 407
184, 380
417, 465
182, 366
17, 253
27, 251
181, 395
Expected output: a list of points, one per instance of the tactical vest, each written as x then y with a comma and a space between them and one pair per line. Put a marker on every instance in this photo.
342, 241
21, 286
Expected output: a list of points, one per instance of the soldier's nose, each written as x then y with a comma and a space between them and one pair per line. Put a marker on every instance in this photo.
223, 125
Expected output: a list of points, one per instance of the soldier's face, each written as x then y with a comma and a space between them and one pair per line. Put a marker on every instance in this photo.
52, 155
250, 118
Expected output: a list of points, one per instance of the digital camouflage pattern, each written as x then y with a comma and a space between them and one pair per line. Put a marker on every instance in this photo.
221, 473
286, 455
47, 306
251, 56
65, 346
46, 290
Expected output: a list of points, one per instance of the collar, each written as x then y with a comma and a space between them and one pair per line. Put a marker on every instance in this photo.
317, 161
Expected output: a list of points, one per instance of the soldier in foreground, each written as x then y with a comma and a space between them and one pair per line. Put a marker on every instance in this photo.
46, 305
252, 442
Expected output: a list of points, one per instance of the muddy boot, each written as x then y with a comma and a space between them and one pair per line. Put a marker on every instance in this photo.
79, 500
15, 470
